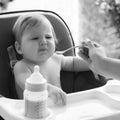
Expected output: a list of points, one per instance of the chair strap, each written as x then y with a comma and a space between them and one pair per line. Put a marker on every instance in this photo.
12, 56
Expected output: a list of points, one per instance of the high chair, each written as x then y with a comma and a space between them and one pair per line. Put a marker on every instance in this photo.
70, 81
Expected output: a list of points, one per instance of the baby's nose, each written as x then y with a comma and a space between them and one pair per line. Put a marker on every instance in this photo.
43, 42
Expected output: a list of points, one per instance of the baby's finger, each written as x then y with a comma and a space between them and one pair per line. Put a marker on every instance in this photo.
63, 98
58, 99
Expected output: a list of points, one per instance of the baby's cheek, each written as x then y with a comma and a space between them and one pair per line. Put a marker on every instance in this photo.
51, 47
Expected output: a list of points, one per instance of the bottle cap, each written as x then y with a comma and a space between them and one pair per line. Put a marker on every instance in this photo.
36, 82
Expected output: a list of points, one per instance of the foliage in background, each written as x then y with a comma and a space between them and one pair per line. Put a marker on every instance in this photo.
101, 23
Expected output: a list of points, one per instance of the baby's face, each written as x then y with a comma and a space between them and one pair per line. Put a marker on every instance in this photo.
38, 43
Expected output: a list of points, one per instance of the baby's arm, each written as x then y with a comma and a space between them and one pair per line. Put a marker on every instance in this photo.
73, 63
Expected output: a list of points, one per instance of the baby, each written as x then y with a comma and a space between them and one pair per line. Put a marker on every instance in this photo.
35, 41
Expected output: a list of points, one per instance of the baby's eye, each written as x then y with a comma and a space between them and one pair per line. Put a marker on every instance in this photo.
48, 37
35, 38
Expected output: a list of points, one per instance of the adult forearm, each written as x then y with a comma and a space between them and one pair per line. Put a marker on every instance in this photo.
109, 67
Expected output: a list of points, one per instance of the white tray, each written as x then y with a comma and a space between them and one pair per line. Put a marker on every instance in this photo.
97, 104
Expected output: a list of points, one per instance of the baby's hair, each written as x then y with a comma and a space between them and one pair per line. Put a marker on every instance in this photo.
28, 21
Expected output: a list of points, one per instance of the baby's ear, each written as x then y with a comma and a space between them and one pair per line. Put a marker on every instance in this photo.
18, 47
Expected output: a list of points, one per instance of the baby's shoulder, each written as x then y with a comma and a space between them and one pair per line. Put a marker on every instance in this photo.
19, 63
19, 66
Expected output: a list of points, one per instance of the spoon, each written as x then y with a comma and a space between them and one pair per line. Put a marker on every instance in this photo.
64, 51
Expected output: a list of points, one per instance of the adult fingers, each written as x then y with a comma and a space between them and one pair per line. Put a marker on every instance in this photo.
90, 44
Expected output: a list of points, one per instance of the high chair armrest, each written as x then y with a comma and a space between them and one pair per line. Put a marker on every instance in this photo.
67, 81
86, 80
79, 81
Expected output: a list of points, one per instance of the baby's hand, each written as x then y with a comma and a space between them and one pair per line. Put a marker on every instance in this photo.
59, 96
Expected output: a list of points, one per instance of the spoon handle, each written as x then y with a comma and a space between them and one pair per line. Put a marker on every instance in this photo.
62, 52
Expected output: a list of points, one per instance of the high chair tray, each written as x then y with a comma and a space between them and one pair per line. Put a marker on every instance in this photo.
97, 104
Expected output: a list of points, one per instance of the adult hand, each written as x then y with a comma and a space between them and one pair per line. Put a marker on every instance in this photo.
92, 54
95, 50
96, 53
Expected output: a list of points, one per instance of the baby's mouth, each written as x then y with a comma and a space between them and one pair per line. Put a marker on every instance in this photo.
42, 50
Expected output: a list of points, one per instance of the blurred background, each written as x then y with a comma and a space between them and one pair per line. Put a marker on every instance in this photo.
98, 20
67, 9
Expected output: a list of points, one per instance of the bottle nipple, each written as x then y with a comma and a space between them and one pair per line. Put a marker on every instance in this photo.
36, 69
36, 76
36, 82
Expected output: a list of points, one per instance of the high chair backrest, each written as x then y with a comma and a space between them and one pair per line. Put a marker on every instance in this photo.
7, 21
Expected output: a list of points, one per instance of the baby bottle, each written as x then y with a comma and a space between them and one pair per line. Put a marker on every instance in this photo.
35, 96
